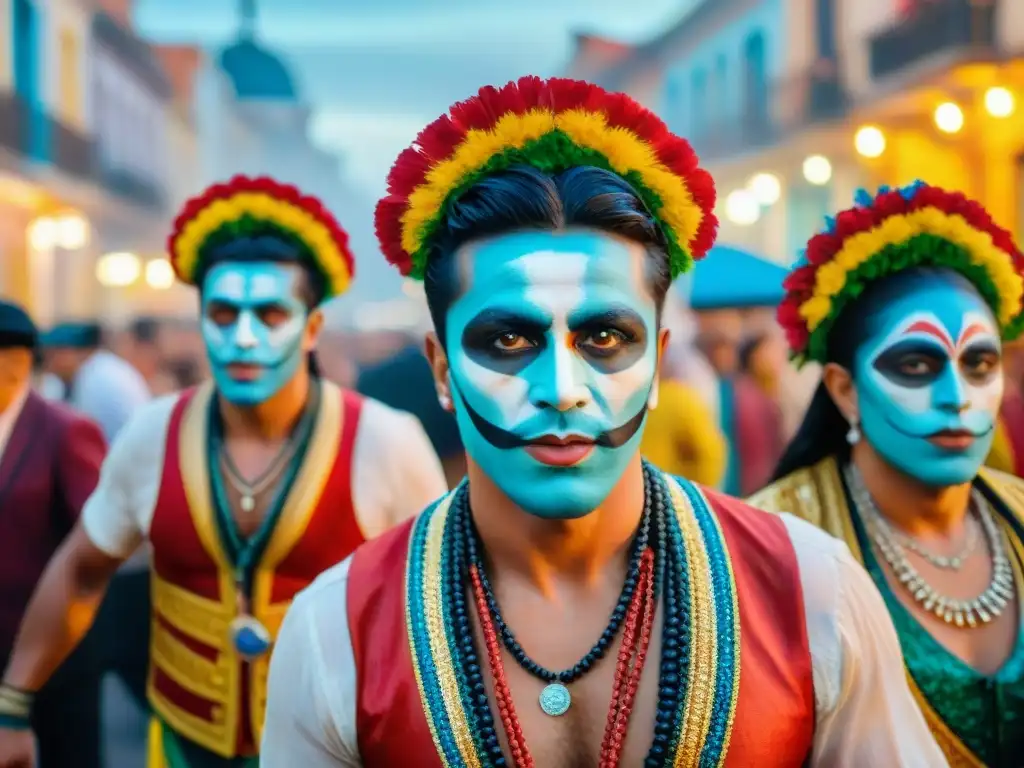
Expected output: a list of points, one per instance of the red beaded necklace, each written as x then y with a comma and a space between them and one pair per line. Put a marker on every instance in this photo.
636, 639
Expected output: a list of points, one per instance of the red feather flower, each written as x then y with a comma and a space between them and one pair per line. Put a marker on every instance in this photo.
266, 186
438, 141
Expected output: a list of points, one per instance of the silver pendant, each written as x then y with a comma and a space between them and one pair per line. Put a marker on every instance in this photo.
555, 699
250, 638
248, 503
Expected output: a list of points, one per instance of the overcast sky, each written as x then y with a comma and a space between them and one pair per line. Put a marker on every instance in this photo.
378, 70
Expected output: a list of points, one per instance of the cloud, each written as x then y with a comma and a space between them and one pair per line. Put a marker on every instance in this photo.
368, 143
377, 71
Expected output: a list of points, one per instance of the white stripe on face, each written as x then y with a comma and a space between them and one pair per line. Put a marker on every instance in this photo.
975, 329
557, 283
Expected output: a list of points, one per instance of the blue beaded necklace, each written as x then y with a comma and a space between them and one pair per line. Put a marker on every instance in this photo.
671, 581
555, 699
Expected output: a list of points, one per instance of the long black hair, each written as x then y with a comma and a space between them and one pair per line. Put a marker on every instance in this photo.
823, 431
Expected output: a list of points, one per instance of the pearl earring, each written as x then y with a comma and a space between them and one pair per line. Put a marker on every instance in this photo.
445, 401
853, 435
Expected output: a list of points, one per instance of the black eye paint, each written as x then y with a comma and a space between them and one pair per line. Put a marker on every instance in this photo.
624, 325
913, 363
981, 361
481, 340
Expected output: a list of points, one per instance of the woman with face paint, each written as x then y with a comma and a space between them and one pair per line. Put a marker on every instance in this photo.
246, 487
569, 604
904, 299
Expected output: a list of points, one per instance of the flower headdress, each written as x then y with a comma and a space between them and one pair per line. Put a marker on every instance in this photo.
552, 125
886, 233
254, 207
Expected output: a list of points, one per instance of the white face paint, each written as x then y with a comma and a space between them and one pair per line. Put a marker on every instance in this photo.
930, 374
252, 316
976, 332
554, 335
554, 283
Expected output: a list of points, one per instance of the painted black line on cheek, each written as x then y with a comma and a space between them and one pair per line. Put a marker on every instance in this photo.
503, 439
492, 433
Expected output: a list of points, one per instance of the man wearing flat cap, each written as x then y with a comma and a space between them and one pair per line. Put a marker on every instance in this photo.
96, 382
49, 464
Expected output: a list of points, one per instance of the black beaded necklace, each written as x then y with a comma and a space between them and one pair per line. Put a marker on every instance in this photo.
671, 579
618, 615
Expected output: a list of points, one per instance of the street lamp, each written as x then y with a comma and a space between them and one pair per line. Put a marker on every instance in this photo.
159, 274
118, 270
869, 141
817, 170
69, 231
949, 118
766, 188
742, 208
45, 235
999, 102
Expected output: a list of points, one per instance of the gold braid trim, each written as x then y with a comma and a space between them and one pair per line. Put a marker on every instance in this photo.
817, 495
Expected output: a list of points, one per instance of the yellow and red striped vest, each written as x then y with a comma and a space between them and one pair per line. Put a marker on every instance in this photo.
198, 685
771, 699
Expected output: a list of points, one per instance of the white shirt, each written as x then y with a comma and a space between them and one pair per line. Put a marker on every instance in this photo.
395, 475
865, 713
108, 389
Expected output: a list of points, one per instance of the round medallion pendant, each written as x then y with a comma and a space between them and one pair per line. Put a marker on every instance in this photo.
250, 638
555, 699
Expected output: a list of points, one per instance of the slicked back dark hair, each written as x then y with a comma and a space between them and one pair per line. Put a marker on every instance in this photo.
525, 198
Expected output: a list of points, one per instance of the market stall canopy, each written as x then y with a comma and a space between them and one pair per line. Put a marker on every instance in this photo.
729, 278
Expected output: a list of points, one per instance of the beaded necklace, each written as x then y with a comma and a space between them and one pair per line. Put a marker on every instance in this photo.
646, 580
555, 699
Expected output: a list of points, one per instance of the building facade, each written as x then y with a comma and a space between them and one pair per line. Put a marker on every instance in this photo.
47, 185
84, 155
794, 104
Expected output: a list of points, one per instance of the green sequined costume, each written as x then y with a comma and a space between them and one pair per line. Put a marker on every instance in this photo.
977, 719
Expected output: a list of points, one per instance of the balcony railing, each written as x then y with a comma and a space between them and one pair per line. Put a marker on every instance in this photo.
132, 51
31, 132
12, 122
934, 27
73, 152
133, 187
787, 106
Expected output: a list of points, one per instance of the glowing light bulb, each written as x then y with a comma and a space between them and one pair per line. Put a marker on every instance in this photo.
869, 141
817, 170
999, 102
765, 187
949, 118
742, 208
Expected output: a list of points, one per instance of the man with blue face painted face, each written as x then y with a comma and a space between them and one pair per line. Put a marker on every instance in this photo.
905, 300
246, 488
566, 571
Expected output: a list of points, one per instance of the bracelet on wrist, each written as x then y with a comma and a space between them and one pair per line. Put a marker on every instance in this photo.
13, 723
15, 707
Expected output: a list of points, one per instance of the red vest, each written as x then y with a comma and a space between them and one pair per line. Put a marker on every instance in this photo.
769, 698
197, 683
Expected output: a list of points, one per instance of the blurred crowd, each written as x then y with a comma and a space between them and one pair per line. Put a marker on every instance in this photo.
728, 402
729, 399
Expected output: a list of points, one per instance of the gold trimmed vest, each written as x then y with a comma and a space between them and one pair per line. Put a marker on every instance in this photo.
749, 696
198, 685
818, 495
